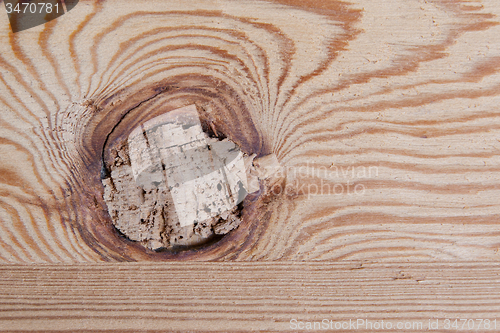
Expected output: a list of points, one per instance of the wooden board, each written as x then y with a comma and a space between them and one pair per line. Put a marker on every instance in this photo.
244, 297
384, 115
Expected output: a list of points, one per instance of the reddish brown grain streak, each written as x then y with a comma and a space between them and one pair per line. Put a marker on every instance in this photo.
16, 74
392, 151
387, 249
19, 227
404, 65
120, 22
409, 167
360, 219
349, 20
78, 30
16, 49
35, 200
437, 239
323, 135
317, 230
419, 131
222, 53
26, 137
384, 250
270, 224
408, 102
238, 35
370, 184
481, 70
44, 46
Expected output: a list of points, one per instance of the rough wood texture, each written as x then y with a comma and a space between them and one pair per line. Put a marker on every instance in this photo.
244, 297
172, 185
384, 115
408, 90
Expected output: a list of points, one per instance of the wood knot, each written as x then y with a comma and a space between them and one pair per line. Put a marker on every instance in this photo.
171, 185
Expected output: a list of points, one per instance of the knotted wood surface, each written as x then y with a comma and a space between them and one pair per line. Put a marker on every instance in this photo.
383, 116
392, 107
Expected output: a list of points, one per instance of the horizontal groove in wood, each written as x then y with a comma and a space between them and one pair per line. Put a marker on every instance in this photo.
246, 296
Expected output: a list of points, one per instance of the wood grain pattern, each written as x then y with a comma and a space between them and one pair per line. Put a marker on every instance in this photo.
243, 297
408, 88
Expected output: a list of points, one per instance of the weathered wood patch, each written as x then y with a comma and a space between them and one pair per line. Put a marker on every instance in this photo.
172, 185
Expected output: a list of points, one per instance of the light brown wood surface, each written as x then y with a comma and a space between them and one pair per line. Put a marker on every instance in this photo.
404, 94
244, 297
